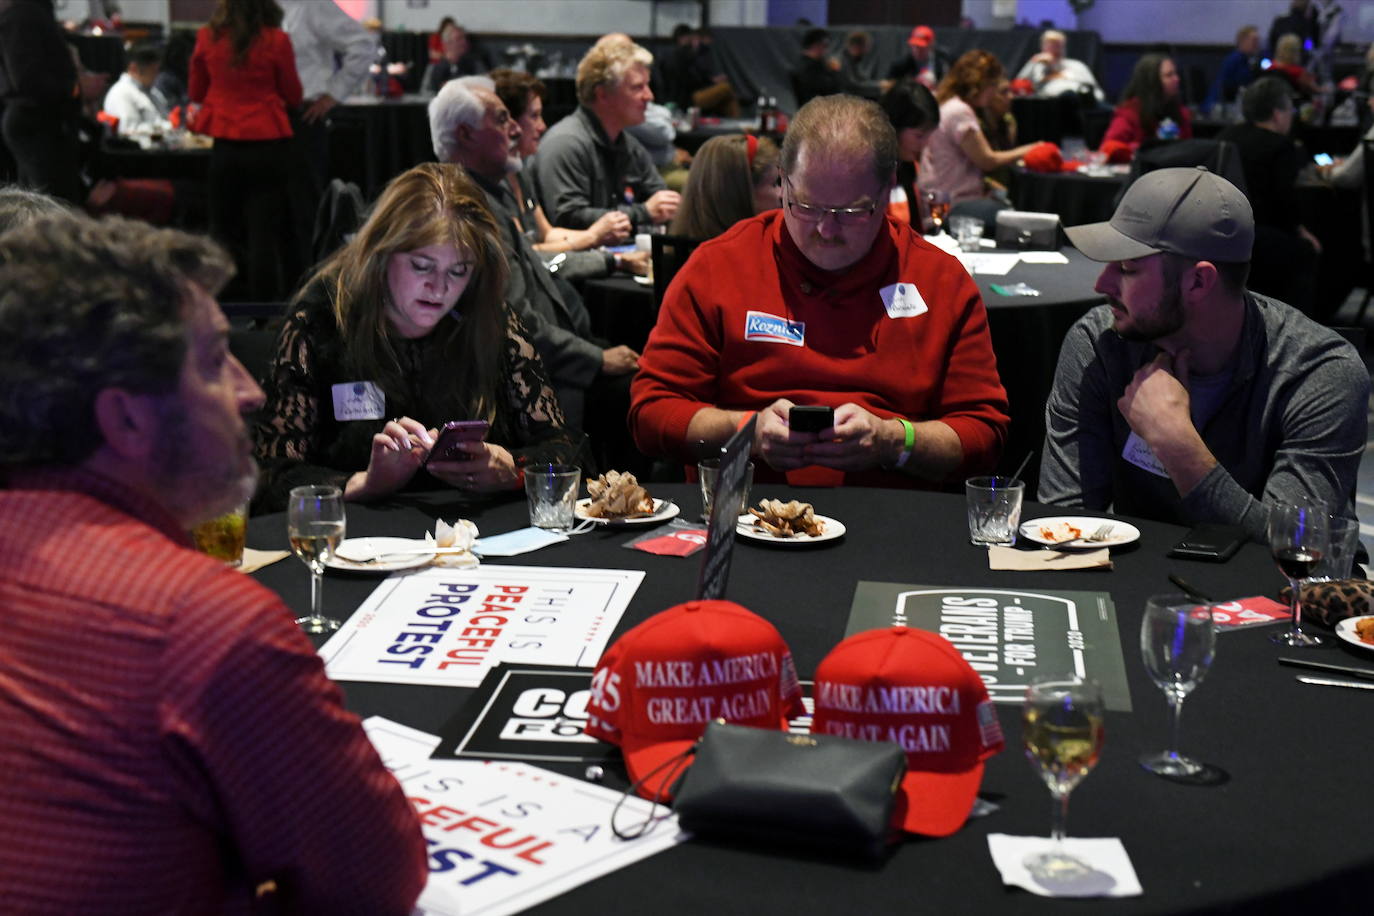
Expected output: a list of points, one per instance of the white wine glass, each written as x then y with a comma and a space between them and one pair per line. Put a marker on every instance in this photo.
1178, 639
1062, 732
315, 525
1299, 536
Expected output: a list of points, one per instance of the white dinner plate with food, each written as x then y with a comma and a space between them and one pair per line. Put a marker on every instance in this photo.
663, 510
1345, 629
746, 527
391, 554
1055, 528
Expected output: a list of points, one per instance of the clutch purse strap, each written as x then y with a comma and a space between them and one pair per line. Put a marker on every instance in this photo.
673, 765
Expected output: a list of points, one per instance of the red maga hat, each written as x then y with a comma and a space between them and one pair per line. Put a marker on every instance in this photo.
923, 36
657, 687
914, 688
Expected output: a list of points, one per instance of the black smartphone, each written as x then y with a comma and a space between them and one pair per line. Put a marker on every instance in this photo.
447, 446
810, 418
1212, 542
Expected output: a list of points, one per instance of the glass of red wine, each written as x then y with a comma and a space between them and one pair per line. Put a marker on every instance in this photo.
1299, 536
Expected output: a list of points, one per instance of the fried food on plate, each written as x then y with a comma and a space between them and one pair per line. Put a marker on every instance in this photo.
787, 519
617, 495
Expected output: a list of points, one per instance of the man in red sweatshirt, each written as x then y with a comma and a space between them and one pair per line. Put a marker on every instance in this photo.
826, 302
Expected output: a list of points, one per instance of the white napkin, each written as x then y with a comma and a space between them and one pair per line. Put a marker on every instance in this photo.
1048, 560
1043, 257
462, 534
1112, 874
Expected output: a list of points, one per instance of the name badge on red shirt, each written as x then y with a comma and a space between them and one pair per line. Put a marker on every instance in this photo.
903, 300
767, 328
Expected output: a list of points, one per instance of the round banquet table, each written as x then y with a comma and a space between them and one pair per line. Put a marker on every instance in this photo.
1076, 197
1289, 829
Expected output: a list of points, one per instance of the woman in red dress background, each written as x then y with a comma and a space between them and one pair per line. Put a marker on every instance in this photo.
243, 72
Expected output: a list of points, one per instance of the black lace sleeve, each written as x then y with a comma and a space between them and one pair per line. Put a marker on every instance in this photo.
287, 428
540, 433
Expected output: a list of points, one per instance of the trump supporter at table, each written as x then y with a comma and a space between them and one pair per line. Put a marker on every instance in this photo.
826, 302
402, 330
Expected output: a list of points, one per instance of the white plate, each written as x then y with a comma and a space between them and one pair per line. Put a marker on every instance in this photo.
645, 281
1345, 629
745, 528
1122, 532
377, 547
663, 510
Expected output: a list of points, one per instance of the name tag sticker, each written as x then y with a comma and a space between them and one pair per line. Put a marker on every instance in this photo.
903, 300
358, 401
1139, 454
767, 328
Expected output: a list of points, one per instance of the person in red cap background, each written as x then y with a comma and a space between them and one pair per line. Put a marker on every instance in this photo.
1188, 398
926, 63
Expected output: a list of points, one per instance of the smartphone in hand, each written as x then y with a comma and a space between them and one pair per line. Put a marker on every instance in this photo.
448, 447
810, 419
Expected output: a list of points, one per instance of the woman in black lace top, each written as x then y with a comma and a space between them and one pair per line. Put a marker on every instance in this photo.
400, 331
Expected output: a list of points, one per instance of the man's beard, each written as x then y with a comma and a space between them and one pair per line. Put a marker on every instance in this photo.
1167, 319
197, 488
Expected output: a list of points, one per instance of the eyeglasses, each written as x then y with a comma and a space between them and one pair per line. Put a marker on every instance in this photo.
845, 216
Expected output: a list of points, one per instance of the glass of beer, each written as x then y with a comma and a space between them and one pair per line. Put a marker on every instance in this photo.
223, 537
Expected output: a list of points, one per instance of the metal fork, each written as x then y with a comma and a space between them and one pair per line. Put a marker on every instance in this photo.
1101, 534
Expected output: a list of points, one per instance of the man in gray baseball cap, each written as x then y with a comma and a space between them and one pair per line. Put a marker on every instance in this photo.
1188, 398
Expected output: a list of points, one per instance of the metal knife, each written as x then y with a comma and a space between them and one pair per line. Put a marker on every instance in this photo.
1327, 682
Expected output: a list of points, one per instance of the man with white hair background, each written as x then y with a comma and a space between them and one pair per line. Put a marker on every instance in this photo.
471, 126
1052, 74
588, 163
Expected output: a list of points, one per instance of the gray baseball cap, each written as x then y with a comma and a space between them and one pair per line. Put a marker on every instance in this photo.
1190, 212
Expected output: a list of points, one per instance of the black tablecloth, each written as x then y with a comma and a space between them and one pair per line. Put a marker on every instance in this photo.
122, 162
1077, 198
1289, 830
373, 140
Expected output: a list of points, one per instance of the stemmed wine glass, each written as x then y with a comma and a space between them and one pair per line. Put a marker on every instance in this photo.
1062, 731
1177, 641
1299, 535
315, 524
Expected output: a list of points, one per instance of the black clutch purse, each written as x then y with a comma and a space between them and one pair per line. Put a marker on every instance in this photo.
813, 791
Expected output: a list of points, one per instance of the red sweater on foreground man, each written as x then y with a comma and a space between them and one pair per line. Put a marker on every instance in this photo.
749, 320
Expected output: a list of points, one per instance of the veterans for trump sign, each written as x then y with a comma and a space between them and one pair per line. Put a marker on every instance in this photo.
1008, 636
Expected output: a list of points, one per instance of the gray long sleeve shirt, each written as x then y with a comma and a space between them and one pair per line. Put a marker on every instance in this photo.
1291, 422
580, 174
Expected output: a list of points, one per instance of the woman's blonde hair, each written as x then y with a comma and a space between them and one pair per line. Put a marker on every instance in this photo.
970, 74
720, 185
1288, 49
431, 204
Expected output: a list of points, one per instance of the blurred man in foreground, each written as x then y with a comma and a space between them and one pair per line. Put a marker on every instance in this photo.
827, 302
1188, 398
588, 163
169, 732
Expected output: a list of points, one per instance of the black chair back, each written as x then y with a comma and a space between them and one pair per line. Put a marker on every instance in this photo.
339, 215
1219, 156
667, 254
253, 329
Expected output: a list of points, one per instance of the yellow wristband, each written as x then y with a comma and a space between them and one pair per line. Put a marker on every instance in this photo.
908, 444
